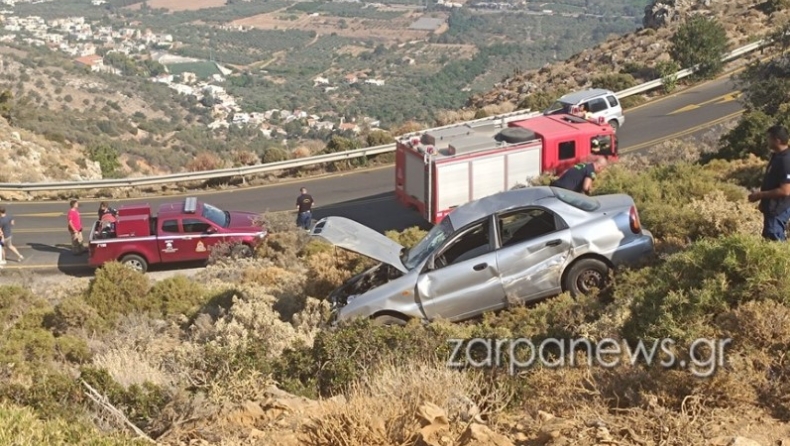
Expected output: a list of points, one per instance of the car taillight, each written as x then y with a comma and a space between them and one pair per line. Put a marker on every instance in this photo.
633, 221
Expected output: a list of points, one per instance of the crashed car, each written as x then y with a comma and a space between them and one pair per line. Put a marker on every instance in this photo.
520, 245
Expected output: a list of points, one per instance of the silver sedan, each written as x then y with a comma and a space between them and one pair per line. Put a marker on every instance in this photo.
515, 246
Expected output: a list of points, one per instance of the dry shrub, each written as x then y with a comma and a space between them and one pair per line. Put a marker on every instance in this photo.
129, 367
140, 349
408, 237
252, 318
301, 152
384, 407
406, 127
328, 271
265, 276
716, 216
244, 158
745, 172
283, 248
204, 161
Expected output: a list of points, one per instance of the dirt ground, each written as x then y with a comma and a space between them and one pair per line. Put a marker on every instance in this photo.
396, 30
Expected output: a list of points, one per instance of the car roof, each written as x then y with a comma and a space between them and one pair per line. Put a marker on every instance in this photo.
579, 96
492, 204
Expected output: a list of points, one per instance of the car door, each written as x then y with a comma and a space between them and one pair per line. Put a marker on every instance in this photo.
462, 279
534, 246
599, 107
200, 237
171, 244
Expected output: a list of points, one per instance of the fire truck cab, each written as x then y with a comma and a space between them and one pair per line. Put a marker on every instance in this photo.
440, 170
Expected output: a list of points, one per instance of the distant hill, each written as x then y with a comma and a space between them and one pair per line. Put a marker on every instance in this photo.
631, 59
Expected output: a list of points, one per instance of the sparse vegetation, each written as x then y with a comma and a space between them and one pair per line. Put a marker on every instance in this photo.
187, 358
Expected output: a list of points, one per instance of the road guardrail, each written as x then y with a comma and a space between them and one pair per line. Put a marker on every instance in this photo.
331, 157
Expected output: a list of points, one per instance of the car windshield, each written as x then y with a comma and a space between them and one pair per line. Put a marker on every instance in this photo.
217, 216
558, 107
435, 237
577, 200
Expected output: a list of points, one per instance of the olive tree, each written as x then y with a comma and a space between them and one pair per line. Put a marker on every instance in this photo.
700, 41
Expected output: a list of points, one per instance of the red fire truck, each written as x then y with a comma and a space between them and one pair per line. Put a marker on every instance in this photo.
440, 170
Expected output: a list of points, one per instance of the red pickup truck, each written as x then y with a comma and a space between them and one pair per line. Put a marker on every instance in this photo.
184, 231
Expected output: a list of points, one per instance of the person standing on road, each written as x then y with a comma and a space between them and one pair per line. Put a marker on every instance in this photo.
774, 195
579, 178
304, 209
75, 228
6, 223
2, 245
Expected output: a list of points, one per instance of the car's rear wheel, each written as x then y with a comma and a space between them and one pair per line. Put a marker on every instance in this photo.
386, 320
586, 275
241, 252
135, 262
615, 125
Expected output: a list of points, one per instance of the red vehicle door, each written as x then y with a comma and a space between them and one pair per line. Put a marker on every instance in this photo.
171, 244
200, 237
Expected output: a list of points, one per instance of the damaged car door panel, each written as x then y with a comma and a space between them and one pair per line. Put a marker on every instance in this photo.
511, 247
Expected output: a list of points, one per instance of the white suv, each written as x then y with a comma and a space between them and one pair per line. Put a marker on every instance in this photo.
598, 102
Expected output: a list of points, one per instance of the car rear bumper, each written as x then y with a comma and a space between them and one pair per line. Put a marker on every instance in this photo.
638, 248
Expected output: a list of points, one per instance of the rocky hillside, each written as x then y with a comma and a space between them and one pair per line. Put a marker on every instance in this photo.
26, 157
636, 54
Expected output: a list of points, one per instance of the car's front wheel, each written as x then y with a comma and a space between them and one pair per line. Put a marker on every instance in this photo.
615, 125
135, 262
585, 275
386, 319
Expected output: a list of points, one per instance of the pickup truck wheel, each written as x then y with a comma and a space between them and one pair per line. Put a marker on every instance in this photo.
135, 262
241, 252
586, 275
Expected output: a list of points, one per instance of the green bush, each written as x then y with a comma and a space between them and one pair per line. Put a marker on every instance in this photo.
408, 237
176, 296
142, 405
681, 297
22, 426
665, 196
337, 358
700, 40
118, 290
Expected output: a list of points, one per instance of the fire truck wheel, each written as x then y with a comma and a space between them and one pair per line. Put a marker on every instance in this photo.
514, 135
615, 125
241, 252
585, 275
135, 262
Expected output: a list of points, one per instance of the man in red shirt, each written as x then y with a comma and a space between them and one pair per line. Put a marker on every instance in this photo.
75, 228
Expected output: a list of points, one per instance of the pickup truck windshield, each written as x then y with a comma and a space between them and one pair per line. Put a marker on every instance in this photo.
217, 216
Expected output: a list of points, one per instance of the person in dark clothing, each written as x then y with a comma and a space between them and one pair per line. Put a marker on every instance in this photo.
579, 178
104, 208
774, 195
304, 209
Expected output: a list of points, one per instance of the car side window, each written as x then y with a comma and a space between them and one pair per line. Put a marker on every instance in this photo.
597, 105
193, 225
473, 243
524, 225
612, 101
170, 226
567, 150
604, 145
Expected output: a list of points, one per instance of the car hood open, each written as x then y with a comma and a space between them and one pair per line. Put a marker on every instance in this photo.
350, 235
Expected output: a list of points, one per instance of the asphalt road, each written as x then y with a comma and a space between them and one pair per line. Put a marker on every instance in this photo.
366, 196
